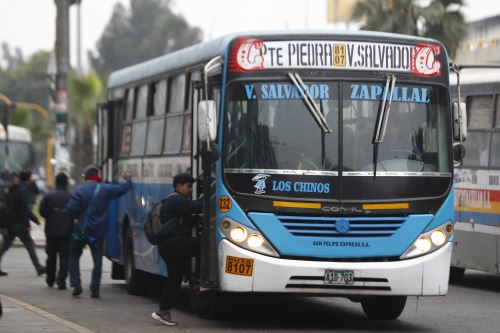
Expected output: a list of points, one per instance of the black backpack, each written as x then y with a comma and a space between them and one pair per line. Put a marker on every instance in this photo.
154, 229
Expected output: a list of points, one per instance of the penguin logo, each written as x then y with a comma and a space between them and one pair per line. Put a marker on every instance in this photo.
260, 186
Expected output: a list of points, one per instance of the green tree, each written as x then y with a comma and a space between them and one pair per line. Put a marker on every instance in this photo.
439, 19
84, 94
148, 30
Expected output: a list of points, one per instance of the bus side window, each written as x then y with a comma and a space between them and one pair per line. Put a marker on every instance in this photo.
497, 117
160, 98
142, 102
480, 112
177, 94
129, 107
495, 152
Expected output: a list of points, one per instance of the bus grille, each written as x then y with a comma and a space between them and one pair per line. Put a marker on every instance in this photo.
301, 226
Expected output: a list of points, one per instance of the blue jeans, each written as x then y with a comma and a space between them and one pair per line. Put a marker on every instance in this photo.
76, 248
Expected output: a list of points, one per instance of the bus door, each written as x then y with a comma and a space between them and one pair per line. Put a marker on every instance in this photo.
108, 118
206, 266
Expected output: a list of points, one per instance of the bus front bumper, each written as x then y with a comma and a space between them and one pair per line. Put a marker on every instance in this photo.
422, 276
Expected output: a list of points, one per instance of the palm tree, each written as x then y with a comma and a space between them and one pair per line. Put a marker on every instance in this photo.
440, 19
449, 27
84, 93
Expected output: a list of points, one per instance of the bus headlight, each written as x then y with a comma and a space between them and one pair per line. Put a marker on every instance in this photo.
255, 241
238, 234
429, 241
438, 237
246, 237
423, 244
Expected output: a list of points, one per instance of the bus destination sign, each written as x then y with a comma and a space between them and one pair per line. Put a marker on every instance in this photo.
251, 54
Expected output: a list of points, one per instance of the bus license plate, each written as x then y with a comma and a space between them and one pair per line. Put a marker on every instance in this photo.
239, 266
333, 276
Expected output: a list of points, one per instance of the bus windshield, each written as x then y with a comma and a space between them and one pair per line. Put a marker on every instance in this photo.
417, 132
271, 133
270, 127
20, 156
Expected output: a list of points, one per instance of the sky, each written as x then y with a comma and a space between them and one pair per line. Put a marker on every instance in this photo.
30, 24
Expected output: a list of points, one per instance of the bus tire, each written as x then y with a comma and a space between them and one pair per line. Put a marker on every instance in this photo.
133, 277
456, 274
117, 271
204, 303
383, 307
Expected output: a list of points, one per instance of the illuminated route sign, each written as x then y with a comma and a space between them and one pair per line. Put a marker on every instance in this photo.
251, 54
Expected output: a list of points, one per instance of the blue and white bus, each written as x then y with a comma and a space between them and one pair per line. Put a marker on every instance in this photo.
324, 160
477, 189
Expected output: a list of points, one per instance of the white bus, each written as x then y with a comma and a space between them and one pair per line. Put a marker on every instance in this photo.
477, 181
18, 154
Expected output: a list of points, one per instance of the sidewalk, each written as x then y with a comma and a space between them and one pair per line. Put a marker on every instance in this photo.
20, 317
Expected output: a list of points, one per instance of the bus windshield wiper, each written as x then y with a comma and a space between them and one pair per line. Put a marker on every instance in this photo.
382, 117
311, 105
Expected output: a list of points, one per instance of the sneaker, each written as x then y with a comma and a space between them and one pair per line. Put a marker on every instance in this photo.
41, 270
61, 287
94, 293
77, 291
2, 273
164, 318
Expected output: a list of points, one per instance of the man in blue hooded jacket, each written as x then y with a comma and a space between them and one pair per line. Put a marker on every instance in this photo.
89, 204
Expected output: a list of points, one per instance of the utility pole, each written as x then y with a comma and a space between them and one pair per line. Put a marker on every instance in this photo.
60, 94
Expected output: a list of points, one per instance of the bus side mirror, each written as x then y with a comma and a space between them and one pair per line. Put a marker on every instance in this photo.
458, 153
459, 121
207, 120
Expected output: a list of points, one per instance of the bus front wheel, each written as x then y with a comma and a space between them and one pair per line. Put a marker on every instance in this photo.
383, 307
133, 277
456, 274
204, 303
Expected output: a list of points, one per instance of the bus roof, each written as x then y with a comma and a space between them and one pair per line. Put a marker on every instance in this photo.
477, 75
16, 133
203, 52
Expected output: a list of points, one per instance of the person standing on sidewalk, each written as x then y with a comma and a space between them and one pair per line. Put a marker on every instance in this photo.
177, 247
20, 215
58, 228
89, 204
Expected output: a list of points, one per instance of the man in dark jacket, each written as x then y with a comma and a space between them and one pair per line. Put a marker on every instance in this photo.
20, 215
58, 228
89, 204
176, 248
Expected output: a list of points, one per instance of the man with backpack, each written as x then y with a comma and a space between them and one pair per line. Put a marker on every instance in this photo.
177, 246
89, 204
19, 216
